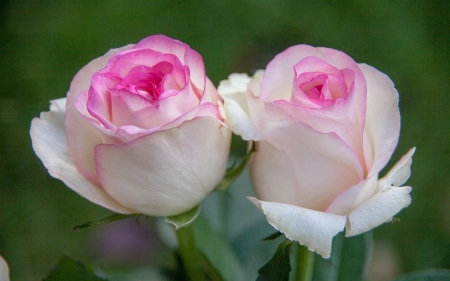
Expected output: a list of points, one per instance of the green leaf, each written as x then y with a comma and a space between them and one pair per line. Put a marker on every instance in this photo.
279, 266
427, 275
233, 173
349, 259
273, 236
108, 219
184, 219
70, 270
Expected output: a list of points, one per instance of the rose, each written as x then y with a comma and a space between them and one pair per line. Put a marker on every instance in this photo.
325, 126
140, 131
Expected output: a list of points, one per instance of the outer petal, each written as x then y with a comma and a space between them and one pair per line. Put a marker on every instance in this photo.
273, 175
385, 204
379, 209
324, 165
310, 228
4, 270
168, 172
81, 136
349, 199
400, 173
382, 117
234, 94
50, 144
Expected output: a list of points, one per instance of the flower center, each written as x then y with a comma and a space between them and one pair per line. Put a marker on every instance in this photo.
146, 81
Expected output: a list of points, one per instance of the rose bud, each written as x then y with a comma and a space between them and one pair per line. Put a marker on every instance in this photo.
139, 132
324, 127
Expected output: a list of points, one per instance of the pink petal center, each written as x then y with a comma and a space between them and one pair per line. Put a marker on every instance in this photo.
318, 84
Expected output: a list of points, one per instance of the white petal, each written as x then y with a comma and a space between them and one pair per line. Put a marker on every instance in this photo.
382, 117
349, 199
379, 209
234, 93
310, 228
168, 172
50, 145
400, 173
4, 270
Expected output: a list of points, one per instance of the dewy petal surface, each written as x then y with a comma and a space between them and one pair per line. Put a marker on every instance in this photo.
167, 172
50, 144
310, 228
383, 117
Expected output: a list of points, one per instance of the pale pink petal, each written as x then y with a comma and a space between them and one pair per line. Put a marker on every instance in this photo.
126, 61
179, 104
197, 68
349, 199
4, 270
131, 109
279, 74
379, 209
82, 80
400, 173
164, 45
313, 229
50, 145
278, 81
383, 117
314, 64
82, 137
210, 93
204, 110
272, 172
325, 166
234, 94
168, 172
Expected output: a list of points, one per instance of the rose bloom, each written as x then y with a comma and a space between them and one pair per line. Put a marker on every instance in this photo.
141, 130
325, 126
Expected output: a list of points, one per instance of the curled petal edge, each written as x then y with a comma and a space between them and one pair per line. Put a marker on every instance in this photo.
50, 145
316, 229
389, 200
311, 228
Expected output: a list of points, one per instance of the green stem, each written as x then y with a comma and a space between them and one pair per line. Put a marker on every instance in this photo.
189, 253
305, 264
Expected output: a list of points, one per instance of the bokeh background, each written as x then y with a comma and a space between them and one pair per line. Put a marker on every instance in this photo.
44, 43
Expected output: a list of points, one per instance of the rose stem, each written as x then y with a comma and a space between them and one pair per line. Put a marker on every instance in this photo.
305, 264
189, 253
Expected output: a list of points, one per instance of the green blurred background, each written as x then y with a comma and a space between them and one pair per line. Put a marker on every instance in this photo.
44, 43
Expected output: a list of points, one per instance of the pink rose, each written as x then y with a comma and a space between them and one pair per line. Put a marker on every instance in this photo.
139, 132
325, 126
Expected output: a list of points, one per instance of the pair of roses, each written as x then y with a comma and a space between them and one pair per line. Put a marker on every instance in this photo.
143, 130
